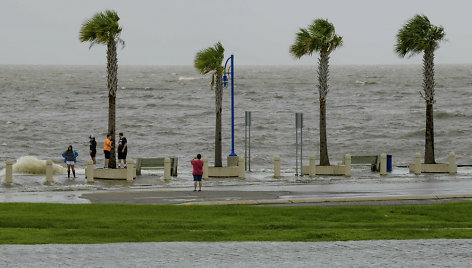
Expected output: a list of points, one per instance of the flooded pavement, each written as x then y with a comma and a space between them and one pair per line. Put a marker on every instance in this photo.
294, 194
380, 253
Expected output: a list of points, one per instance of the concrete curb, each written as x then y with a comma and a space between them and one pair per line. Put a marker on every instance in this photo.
326, 200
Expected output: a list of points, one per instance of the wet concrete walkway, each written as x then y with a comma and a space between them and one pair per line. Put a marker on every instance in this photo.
300, 194
294, 194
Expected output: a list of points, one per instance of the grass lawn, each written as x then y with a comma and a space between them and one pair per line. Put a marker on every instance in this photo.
26, 223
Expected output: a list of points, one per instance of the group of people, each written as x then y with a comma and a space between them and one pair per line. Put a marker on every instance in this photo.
70, 158
122, 150
70, 155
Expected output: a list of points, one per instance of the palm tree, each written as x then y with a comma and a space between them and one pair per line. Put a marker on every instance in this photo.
103, 28
416, 36
320, 37
210, 60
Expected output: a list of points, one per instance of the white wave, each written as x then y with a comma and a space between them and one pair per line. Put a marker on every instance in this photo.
33, 165
183, 78
364, 82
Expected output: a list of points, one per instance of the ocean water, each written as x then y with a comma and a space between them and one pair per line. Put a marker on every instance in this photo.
170, 111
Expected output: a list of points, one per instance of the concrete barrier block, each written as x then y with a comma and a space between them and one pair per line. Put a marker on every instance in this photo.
417, 164
232, 161
277, 166
89, 170
347, 165
8, 171
312, 171
49, 171
242, 167
452, 163
383, 164
167, 168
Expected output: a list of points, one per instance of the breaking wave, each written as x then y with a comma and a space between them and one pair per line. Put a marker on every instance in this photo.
33, 165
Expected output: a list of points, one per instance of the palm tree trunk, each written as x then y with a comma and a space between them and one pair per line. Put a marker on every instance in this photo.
323, 72
429, 136
218, 105
112, 83
428, 86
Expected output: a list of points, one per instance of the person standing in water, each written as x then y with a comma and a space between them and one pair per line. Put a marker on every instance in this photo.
122, 150
197, 164
93, 149
107, 149
70, 158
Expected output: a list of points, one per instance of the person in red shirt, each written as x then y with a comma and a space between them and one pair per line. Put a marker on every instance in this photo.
197, 164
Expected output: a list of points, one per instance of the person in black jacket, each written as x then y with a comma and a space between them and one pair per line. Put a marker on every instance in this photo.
93, 149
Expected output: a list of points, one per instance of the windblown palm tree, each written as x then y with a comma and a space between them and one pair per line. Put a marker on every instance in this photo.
210, 60
416, 36
103, 28
320, 37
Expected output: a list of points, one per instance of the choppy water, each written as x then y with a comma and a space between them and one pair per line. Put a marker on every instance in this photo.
169, 111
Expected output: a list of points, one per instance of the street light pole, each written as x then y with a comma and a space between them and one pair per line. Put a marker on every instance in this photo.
225, 82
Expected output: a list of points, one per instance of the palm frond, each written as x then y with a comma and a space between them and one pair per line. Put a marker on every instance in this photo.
101, 28
320, 36
210, 59
418, 35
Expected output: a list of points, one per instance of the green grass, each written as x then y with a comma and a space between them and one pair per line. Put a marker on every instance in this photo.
26, 223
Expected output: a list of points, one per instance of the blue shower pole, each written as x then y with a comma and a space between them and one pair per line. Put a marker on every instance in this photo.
225, 81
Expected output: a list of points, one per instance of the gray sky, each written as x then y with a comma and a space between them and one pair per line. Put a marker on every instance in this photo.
258, 32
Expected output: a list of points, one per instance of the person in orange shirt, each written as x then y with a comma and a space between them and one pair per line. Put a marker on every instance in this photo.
107, 149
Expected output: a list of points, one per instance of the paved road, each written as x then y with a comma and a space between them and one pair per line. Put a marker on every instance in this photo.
380, 253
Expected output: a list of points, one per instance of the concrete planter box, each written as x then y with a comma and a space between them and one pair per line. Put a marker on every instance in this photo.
222, 172
417, 167
92, 173
431, 168
112, 174
337, 170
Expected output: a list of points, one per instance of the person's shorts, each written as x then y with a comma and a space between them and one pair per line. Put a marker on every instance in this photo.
70, 162
122, 155
107, 154
93, 153
197, 177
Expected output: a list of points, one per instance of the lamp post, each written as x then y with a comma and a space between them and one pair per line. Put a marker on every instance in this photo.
230, 72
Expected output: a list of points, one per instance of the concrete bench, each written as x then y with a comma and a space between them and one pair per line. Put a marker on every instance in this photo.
156, 163
372, 160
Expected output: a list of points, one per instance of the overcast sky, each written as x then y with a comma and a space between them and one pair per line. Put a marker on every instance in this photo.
258, 32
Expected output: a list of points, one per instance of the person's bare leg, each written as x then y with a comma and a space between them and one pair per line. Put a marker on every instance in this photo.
200, 185
195, 185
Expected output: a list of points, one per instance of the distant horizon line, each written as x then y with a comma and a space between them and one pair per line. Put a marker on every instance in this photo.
242, 65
